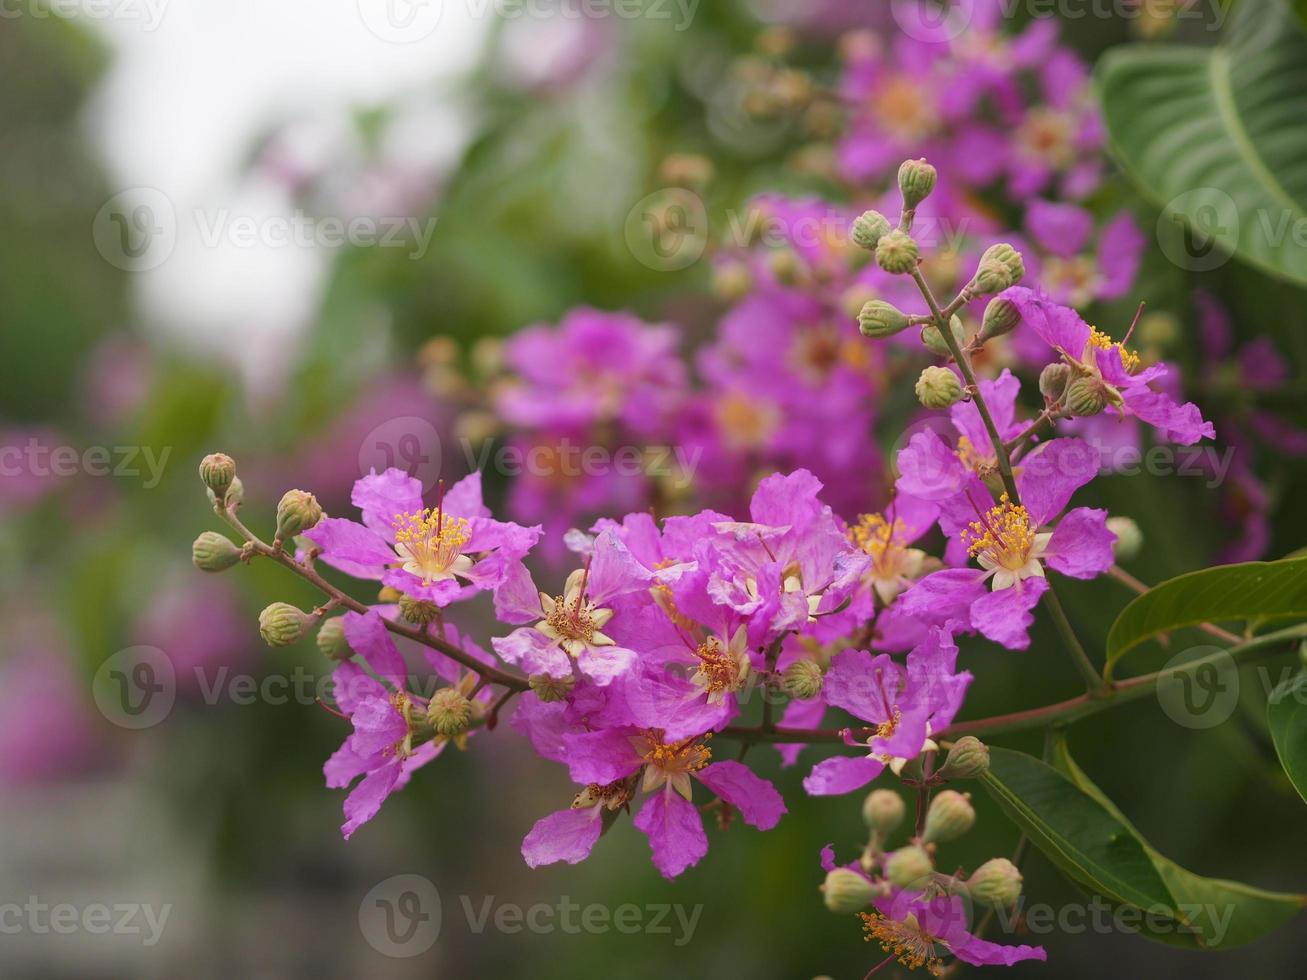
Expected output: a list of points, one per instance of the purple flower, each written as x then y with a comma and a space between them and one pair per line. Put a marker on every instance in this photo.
605, 762
904, 704
918, 928
441, 555
1063, 263
572, 634
1126, 385
1011, 548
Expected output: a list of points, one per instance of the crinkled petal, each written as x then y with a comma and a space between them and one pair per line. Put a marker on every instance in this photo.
365, 800
757, 800
1081, 546
1182, 424
568, 835
675, 832
351, 547
1050, 475
381, 497
369, 638
841, 774
601, 757
1004, 616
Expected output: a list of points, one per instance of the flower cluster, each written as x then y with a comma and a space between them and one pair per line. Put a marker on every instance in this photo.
668, 639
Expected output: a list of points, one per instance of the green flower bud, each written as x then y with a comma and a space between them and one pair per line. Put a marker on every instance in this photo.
420, 612
550, 689
908, 867
883, 810
968, 759
297, 512
214, 552
281, 624
1085, 396
950, 816
938, 387
1001, 317
916, 181
896, 252
732, 281
802, 679
869, 228
995, 884
1000, 267
845, 891
880, 319
217, 470
235, 493
934, 341
332, 642
1129, 539
785, 265
450, 712
1053, 380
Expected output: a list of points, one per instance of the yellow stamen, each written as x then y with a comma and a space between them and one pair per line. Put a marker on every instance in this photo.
573, 620
905, 940
431, 544
1103, 342
687, 755
1003, 535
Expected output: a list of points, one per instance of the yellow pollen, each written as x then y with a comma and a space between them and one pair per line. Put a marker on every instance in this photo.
1103, 342
887, 728
572, 620
876, 536
906, 941
745, 423
433, 542
968, 455
687, 755
1003, 534
717, 667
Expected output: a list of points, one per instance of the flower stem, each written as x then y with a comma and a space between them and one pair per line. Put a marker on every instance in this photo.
494, 675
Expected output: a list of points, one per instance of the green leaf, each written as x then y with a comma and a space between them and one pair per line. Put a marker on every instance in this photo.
1255, 589
1216, 137
1286, 713
1212, 913
1087, 842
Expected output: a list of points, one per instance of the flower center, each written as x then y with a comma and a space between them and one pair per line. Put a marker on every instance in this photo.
905, 940
970, 457
1046, 134
719, 671
878, 538
745, 423
430, 543
1002, 537
686, 756
573, 620
904, 109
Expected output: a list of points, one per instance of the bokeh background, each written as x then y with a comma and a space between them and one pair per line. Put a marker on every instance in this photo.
518, 147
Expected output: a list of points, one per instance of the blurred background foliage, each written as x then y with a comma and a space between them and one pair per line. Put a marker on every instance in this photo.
220, 809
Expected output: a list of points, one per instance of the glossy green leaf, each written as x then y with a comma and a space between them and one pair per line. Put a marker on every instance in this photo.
1086, 841
1212, 913
1216, 137
1253, 590
1286, 713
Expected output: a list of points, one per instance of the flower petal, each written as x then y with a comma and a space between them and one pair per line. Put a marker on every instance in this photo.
756, 799
675, 832
568, 835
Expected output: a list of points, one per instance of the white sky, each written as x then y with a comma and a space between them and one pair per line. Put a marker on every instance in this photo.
194, 83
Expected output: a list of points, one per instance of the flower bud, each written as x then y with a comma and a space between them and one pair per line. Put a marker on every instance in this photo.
938, 387
297, 512
869, 228
995, 884
845, 891
1000, 267
235, 493
217, 470
1001, 317
281, 624
968, 759
916, 181
785, 266
550, 689
1085, 396
332, 642
934, 340
880, 319
1053, 380
802, 679
908, 867
883, 810
420, 612
1129, 539
950, 816
896, 252
732, 281
214, 552
450, 712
